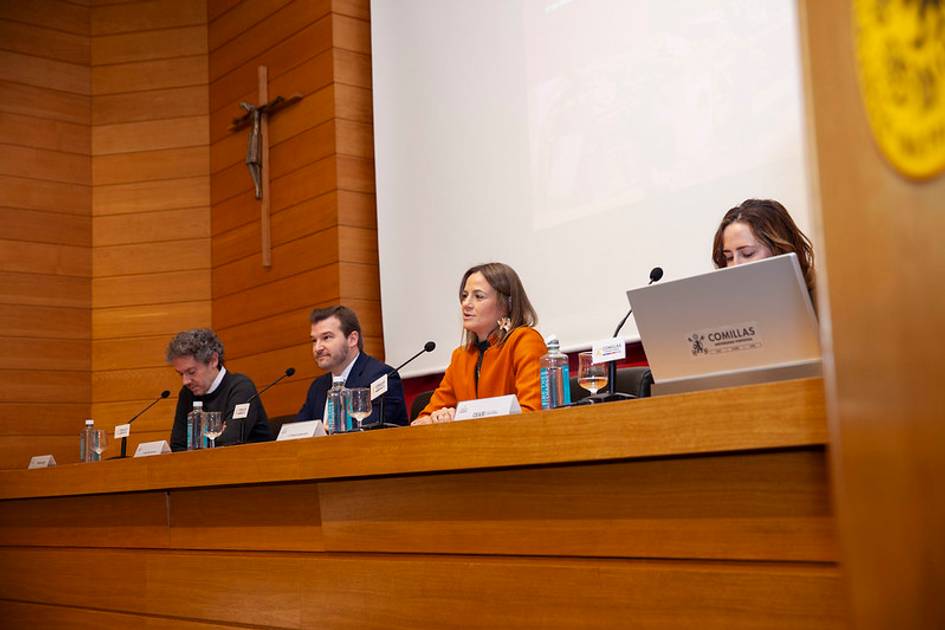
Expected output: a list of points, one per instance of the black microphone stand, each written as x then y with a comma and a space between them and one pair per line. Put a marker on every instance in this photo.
288, 373
124, 440
429, 346
612, 394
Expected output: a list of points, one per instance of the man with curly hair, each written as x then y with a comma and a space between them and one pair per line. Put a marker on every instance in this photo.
197, 355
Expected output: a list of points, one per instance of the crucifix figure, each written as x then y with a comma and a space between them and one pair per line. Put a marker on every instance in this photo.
257, 149
254, 148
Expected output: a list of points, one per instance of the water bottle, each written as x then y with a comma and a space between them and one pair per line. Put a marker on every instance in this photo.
86, 454
195, 426
336, 417
555, 379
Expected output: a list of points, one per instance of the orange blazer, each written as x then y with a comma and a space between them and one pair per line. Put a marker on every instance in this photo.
511, 368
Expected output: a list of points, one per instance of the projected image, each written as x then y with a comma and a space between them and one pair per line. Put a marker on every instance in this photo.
649, 98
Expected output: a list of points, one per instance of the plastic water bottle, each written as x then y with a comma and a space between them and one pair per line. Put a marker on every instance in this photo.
335, 412
195, 426
86, 454
555, 377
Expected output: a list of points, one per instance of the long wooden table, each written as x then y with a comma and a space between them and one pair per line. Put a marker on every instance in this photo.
708, 509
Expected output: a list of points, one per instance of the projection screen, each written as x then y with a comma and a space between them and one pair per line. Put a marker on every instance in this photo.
583, 142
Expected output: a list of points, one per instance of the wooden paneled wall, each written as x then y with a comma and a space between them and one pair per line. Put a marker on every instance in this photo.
46, 234
324, 242
126, 201
883, 311
150, 201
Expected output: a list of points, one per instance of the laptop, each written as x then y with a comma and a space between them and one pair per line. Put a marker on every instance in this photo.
747, 324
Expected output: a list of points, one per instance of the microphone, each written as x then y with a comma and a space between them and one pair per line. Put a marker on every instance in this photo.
429, 346
656, 273
288, 372
124, 440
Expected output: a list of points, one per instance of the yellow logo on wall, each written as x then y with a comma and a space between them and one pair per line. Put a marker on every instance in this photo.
900, 47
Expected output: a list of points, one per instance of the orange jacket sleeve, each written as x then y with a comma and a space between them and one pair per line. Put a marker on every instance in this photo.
526, 360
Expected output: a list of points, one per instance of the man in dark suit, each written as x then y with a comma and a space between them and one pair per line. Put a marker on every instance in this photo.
338, 348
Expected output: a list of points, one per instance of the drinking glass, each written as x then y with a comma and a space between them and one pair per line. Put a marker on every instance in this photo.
359, 404
98, 442
213, 426
590, 376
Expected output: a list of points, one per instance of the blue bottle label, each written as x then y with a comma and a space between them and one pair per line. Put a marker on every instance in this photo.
545, 392
566, 387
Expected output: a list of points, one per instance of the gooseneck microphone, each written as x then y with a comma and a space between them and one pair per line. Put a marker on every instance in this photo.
656, 273
429, 346
124, 440
288, 372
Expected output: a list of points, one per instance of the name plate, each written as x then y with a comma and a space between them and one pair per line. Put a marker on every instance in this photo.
301, 430
241, 411
148, 449
612, 349
42, 461
122, 430
379, 387
487, 408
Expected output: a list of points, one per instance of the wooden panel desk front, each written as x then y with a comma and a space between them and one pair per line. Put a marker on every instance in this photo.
709, 508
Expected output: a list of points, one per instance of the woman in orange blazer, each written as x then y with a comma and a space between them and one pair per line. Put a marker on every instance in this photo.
501, 349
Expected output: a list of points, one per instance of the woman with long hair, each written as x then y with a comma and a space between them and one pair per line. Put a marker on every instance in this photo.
501, 349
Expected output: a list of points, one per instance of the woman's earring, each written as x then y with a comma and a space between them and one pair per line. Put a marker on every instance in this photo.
505, 324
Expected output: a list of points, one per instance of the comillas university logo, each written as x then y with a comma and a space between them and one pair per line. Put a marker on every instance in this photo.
698, 347
724, 339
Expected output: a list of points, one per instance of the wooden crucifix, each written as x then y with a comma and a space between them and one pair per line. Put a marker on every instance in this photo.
257, 150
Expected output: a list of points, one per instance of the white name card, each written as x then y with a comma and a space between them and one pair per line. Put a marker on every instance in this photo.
379, 387
612, 349
147, 449
241, 411
122, 430
487, 408
42, 461
301, 430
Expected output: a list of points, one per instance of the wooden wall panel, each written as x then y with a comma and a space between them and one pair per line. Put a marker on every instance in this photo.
151, 214
130, 322
48, 419
24, 615
151, 135
150, 200
44, 73
46, 227
112, 354
676, 508
45, 208
57, 15
147, 196
174, 163
167, 225
307, 590
45, 354
44, 290
44, 103
150, 105
43, 133
887, 432
45, 42
148, 45
147, 16
45, 258
318, 158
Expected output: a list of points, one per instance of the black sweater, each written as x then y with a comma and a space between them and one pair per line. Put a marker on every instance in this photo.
234, 389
